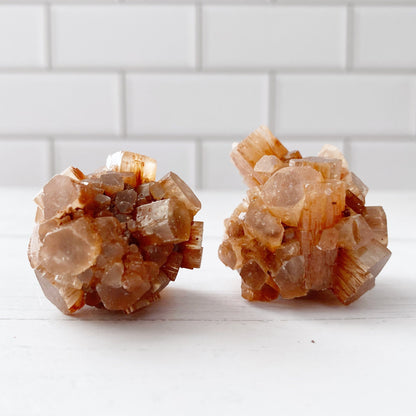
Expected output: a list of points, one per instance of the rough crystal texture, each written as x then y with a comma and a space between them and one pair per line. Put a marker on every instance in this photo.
303, 226
115, 238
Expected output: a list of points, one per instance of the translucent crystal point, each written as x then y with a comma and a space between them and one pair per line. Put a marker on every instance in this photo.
246, 154
357, 269
143, 167
263, 226
71, 248
323, 206
329, 168
376, 219
284, 193
166, 221
61, 195
175, 187
266, 166
291, 278
191, 250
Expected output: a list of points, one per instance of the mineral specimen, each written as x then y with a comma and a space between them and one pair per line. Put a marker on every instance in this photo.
115, 238
304, 225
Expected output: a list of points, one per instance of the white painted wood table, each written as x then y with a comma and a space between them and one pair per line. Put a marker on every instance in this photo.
203, 350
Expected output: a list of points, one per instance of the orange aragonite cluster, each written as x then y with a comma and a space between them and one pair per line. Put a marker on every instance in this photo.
304, 225
115, 238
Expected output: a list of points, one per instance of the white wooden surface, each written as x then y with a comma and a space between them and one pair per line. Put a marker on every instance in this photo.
203, 350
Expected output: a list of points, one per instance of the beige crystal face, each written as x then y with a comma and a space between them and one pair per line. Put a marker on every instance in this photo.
115, 238
303, 226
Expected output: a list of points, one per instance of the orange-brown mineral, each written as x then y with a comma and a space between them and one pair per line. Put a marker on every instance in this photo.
304, 225
115, 238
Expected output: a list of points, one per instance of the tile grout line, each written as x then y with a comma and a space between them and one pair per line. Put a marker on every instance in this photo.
220, 70
346, 141
340, 3
48, 36
316, 3
199, 162
349, 39
198, 37
122, 104
203, 136
272, 101
413, 105
52, 165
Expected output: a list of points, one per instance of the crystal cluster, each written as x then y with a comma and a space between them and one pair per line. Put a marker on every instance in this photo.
304, 225
115, 238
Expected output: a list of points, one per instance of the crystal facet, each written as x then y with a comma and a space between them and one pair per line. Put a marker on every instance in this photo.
303, 226
115, 238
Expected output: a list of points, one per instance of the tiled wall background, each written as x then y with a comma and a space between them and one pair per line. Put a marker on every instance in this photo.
181, 80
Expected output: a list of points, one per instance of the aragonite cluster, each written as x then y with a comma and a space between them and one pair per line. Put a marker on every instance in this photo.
304, 225
115, 238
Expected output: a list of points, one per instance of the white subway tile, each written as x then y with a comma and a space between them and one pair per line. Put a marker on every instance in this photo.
385, 37
24, 162
384, 165
48, 103
274, 36
196, 103
22, 36
123, 35
88, 155
345, 104
61, 1
201, 1
218, 171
